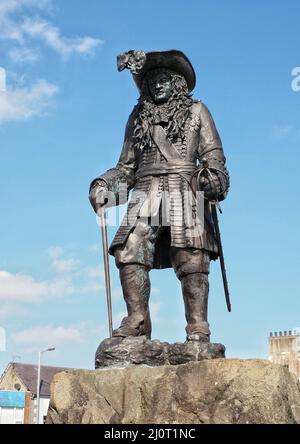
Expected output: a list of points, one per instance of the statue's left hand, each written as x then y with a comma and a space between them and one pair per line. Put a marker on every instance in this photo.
209, 188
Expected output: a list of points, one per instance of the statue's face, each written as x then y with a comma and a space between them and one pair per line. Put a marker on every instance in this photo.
160, 86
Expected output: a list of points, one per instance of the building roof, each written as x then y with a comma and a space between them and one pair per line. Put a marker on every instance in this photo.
28, 375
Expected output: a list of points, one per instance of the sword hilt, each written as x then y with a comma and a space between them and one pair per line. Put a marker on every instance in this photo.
205, 167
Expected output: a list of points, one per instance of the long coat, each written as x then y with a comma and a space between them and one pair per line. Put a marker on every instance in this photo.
148, 170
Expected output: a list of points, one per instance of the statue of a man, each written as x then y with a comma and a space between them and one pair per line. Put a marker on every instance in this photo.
168, 135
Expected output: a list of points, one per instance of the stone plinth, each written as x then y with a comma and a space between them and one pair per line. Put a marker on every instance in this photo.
219, 391
120, 352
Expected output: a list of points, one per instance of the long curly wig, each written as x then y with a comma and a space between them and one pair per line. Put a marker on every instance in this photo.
175, 111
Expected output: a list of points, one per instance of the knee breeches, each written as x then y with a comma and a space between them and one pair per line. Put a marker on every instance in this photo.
140, 249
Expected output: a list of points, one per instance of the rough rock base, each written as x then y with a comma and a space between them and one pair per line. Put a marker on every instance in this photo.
207, 392
124, 352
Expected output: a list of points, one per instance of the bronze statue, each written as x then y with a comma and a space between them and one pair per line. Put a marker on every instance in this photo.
172, 151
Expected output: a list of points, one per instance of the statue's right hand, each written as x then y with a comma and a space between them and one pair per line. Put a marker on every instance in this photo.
98, 196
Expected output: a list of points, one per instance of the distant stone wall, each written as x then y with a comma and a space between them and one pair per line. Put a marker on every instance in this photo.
284, 350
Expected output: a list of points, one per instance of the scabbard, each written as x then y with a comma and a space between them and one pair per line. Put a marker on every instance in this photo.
221, 254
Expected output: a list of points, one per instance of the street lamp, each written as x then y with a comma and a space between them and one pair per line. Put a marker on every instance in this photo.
39, 381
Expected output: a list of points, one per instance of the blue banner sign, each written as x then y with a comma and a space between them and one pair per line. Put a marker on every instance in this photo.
12, 399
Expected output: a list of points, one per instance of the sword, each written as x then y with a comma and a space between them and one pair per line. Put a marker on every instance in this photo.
106, 268
214, 214
213, 208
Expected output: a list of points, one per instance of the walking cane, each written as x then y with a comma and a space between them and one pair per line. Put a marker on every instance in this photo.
106, 268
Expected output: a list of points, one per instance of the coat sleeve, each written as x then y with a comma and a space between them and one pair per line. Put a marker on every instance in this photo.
210, 148
121, 179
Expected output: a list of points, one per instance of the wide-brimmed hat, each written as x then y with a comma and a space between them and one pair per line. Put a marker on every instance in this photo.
141, 63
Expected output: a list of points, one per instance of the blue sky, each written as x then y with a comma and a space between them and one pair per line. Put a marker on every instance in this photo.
62, 121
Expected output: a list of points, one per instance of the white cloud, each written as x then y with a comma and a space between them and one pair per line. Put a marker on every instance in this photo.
2, 80
55, 251
2, 339
51, 36
95, 248
26, 289
37, 338
92, 280
13, 310
10, 6
27, 28
10, 27
23, 103
24, 55
60, 264
19, 291
26, 31
284, 132
89, 280
94, 272
91, 287
154, 311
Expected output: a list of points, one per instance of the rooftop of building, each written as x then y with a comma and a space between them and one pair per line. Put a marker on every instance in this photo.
27, 373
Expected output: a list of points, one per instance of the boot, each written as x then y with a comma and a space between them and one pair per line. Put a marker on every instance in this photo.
136, 291
195, 288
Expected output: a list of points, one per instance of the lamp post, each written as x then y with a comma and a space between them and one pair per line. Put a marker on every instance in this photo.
39, 381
